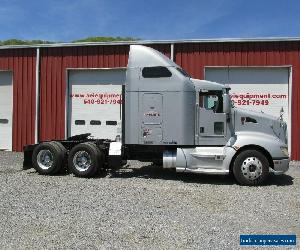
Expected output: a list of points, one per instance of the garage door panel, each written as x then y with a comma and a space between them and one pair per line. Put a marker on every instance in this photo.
6, 108
95, 102
215, 74
115, 76
262, 98
256, 88
255, 75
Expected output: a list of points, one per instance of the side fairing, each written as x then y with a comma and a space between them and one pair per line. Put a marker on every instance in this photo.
158, 111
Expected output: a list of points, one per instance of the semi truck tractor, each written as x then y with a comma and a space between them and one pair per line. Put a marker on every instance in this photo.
168, 117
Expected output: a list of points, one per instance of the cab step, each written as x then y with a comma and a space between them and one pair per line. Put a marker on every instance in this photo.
204, 171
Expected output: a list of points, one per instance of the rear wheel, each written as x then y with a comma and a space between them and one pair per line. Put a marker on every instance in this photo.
85, 160
63, 169
251, 168
47, 158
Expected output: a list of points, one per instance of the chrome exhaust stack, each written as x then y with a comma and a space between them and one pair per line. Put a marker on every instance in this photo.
169, 159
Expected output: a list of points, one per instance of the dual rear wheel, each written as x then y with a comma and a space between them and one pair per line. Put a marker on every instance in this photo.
84, 160
49, 157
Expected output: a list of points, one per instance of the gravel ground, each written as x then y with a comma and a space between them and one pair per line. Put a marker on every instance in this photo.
140, 207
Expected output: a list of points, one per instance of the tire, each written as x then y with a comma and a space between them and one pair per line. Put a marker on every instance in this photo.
47, 158
251, 168
62, 147
63, 169
85, 160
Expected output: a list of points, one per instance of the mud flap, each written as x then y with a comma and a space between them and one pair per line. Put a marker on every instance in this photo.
27, 162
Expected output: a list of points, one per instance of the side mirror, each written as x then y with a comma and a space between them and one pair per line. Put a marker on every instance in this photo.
226, 104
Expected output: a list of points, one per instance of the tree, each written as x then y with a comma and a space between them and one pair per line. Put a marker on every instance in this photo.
88, 39
105, 39
23, 42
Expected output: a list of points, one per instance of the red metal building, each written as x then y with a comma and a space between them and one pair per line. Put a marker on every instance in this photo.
40, 76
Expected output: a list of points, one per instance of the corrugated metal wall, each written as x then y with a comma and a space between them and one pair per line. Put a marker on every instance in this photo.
22, 63
54, 65
193, 57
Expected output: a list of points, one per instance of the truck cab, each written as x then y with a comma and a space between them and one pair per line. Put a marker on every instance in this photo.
183, 123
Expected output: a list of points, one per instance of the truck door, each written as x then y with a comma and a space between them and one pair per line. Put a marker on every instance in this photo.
211, 122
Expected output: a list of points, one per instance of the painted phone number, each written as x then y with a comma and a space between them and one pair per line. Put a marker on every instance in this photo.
250, 102
101, 101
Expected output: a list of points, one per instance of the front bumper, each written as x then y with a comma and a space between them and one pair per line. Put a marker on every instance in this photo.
280, 166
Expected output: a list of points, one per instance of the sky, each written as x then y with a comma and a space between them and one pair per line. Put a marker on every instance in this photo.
67, 20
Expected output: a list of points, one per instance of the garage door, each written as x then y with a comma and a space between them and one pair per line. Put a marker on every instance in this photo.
95, 102
255, 88
6, 107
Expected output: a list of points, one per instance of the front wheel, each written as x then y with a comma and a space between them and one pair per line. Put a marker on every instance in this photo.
251, 168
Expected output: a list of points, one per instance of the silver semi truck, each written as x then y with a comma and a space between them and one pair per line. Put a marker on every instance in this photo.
182, 123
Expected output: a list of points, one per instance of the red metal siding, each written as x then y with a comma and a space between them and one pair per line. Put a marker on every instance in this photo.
194, 57
22, 63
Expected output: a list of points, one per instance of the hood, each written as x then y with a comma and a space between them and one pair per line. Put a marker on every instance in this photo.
247, 120
259, 115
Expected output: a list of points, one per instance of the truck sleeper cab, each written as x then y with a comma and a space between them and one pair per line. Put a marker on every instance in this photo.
184, 123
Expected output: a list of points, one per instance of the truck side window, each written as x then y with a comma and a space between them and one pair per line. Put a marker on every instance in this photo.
211, 100
156, 72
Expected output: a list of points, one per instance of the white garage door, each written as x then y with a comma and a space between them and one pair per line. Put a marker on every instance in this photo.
95, 102
255, 88
6, 109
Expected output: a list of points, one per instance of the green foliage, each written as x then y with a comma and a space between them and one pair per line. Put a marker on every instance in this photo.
23, 42
105, 39
88, 39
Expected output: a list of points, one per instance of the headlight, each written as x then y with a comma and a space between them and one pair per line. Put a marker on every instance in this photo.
285, 151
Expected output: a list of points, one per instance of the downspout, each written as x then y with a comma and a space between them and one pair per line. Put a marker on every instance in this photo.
37, 94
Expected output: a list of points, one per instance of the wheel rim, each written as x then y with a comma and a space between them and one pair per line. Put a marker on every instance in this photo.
45, 159
251, 168
82, 161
